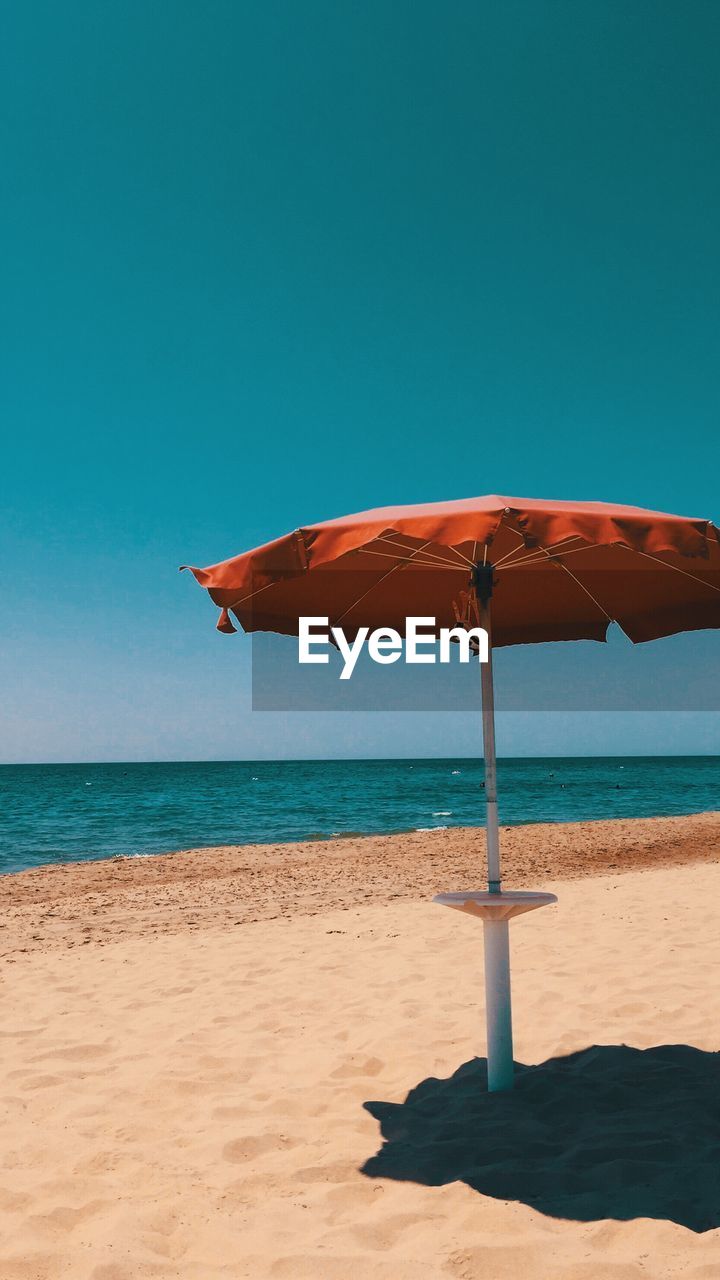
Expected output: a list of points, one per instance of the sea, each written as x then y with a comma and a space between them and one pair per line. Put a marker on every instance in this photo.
54, 813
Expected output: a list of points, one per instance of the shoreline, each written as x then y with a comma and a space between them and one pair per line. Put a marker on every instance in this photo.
96, 902
341, 837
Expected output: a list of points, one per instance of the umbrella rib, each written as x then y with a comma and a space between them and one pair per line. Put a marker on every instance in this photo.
536, 555
582, 586
250, 595
514, 550
394, 568
534, 551
428, 564
485, 551
665, 565
429, 555
387, 542
469, 563
587, 593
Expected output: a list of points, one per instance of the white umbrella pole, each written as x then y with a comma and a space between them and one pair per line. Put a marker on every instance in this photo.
496, 935
488, 723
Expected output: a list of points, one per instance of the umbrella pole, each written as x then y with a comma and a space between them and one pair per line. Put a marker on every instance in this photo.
488, 726
496, 933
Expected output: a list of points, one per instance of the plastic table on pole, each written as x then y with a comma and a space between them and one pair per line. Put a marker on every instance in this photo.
496, 910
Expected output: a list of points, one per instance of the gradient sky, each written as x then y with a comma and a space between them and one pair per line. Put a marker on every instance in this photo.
265, 263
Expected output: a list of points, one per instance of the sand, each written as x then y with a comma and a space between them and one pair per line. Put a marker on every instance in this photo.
188, 1091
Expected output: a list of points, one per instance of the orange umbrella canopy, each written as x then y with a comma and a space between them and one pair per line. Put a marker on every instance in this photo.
562, 570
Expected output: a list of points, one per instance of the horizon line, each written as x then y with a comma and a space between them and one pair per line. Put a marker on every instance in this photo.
631, 755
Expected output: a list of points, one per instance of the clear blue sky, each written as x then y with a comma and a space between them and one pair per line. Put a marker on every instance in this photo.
265, 263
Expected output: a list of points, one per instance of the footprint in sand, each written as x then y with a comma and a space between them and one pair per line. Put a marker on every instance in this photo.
259, 1144
74, 1052
42, 1082
337, 1172
355, 1066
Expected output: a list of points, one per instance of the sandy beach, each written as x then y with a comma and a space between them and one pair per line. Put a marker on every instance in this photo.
207, 1057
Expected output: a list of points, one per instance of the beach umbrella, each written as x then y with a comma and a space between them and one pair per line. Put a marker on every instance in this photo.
526, 571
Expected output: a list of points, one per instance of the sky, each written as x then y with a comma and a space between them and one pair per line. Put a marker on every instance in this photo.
266, 263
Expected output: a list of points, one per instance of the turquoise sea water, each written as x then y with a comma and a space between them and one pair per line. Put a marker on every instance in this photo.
64, 813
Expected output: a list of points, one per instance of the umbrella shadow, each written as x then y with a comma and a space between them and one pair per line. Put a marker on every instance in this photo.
610, 1132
